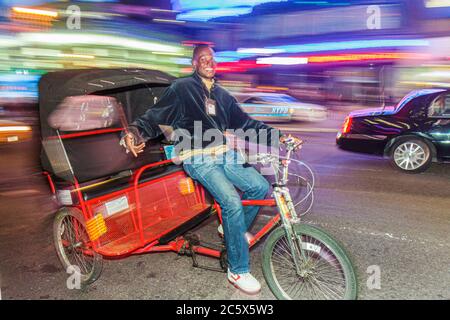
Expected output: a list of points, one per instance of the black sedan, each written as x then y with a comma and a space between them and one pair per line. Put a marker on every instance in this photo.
412, 133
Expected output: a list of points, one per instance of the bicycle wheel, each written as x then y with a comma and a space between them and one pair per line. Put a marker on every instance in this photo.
326, 271
73, 245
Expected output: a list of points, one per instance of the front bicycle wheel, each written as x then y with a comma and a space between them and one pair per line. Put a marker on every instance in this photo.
326, 272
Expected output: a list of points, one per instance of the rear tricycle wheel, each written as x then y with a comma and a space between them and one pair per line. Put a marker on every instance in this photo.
73, 246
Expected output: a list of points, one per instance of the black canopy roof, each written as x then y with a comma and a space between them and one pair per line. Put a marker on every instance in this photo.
99, 155
55, 86
87, 81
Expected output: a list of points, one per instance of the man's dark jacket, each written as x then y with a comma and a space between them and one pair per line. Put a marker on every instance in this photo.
183, 103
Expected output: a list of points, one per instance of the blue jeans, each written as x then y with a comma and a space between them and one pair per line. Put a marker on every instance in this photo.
219, 175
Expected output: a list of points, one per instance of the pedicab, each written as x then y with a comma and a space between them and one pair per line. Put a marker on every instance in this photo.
113, 205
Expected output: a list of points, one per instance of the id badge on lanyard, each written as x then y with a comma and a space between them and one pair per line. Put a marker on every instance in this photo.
210, 106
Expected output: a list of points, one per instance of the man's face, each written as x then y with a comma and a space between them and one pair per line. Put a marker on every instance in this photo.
204, 63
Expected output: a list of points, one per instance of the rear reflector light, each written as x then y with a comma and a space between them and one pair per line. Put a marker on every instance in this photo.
186, 186
96, 227
347, 125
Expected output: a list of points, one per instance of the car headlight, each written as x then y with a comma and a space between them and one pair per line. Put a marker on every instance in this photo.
291, 110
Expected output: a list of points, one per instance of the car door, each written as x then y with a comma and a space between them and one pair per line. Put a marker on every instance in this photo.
439, 118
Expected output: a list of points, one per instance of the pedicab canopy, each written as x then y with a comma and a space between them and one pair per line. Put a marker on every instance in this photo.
82, 113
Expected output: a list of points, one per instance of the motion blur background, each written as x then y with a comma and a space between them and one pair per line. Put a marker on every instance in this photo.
333, 53
322, 57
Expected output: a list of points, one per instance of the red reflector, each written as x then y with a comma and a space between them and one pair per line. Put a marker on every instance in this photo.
347, 125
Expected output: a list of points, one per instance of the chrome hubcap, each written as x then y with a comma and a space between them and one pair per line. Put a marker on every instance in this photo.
410, 156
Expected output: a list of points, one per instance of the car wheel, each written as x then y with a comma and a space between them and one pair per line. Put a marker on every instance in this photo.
412, 155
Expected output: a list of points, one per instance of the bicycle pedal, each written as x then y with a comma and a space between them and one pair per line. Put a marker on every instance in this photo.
222, 260
222, 267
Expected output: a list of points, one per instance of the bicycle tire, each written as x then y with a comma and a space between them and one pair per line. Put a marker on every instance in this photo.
59, 229
326, 242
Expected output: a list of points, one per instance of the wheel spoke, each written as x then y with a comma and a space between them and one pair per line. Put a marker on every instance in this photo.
326, 286
321, 274
73, 242
401, 164
410, 155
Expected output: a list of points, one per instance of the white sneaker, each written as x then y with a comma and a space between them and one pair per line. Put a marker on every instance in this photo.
248, 235
244, 282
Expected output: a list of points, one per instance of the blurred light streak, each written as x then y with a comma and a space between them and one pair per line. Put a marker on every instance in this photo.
357, 44
189, 5
19, 28
434, 74
37, 12
336, 4
257, 51
244, 65
193, 43
97, 15
427, 84
271, 88
312, 2
76, 56
205, 15
323, 3
437, 3
15, 128
9, 42
235, 84
17, 77
366, 56
168, 53
95, 39
222, 59
181, 61
239, 66
282, 60
162, 10
40, 52
229, 56
42, 65
169, 21
187, 70
329, 46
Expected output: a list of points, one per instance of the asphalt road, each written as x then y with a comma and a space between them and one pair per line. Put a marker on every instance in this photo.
388, 221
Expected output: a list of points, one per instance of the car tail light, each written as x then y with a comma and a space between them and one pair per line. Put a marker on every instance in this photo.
347, 125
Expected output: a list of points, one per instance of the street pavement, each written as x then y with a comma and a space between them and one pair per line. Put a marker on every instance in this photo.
393, 225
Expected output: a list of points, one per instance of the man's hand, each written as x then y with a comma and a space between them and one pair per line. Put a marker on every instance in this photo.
292, 140
130, 145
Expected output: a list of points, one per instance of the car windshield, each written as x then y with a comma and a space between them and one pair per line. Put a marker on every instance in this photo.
279, 98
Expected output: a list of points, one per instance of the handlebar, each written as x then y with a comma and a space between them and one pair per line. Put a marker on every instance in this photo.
266, 158
291, 144
285, 180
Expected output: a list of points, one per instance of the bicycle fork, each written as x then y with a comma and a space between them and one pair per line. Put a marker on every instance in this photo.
289, 218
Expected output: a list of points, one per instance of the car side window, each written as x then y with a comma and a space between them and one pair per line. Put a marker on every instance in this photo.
253, 100
415, 108
440, 107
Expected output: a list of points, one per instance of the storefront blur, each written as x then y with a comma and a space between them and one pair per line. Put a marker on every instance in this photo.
357, 52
